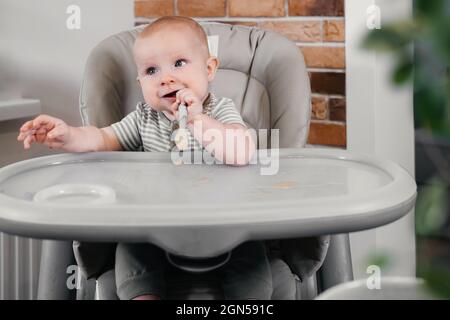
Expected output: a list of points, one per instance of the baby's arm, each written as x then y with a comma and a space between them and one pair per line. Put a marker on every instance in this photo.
56, 134
237, 152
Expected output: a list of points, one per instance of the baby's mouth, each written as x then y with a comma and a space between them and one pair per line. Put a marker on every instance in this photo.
172, 94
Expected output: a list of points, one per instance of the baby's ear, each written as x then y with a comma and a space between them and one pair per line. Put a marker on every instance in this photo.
212, 64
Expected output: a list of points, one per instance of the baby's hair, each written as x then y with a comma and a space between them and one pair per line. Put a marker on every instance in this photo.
171, 21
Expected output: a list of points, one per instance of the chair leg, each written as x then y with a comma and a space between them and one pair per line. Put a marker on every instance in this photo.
337, 266
106, 286
307, 289
57, 266
86, 290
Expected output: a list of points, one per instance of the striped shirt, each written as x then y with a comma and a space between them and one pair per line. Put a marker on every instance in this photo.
150, 130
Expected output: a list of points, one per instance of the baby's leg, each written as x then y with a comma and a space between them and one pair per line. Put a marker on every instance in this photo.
140, 271
247, 275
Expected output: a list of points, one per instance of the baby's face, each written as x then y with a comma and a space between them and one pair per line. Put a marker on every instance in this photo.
170, 60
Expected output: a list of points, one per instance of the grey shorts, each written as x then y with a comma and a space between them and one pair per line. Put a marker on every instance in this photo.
140, 269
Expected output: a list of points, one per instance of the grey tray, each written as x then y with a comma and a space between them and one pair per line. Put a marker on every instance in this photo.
200, 210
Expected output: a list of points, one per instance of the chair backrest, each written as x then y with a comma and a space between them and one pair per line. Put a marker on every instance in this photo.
263, 72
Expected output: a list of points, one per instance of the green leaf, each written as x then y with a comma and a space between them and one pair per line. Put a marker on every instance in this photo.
383, 40
391, 37
431, 207
380, 259
437, 279
429, 8
403, 73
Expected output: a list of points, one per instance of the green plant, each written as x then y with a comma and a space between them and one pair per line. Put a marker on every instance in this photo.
421, 47
429, 31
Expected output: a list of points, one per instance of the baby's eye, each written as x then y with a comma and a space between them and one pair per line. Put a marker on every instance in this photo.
150, 71
180, 63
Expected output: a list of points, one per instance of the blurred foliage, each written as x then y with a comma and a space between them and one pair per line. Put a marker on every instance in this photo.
421, 47
380, 259
431, 203
428, 61
435, 273
438, 281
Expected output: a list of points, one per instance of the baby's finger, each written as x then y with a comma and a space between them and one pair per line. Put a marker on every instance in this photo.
41, 134
25, 134
178, 94
26, 126
28, 141
21, 136
181, 95
189, 99
44, 121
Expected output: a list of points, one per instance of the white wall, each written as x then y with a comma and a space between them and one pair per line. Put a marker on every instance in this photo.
380, 122
41, 58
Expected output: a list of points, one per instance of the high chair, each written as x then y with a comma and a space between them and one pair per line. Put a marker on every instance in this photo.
265, 75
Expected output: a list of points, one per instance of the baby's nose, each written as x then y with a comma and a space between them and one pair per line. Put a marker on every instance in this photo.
167, 79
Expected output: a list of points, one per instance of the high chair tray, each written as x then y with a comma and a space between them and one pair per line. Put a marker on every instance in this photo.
201, 210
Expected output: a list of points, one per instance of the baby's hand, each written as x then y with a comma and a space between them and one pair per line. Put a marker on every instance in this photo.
44, 129
192, 102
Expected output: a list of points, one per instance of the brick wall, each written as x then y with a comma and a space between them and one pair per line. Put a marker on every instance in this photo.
316, 26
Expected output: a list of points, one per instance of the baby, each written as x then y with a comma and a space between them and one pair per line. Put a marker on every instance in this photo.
174, 67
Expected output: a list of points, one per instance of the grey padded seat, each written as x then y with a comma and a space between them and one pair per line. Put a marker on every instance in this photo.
265, 74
